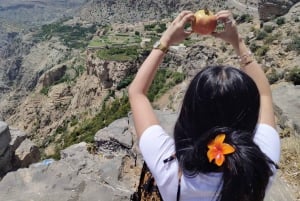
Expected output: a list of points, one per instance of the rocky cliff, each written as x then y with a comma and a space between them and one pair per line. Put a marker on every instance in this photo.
107, 170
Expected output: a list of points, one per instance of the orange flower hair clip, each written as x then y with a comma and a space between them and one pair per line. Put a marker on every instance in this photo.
217, 149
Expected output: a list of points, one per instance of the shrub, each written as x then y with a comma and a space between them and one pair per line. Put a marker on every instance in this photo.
294, 75
261, 51
268, 28
88, 128
244, 18
260, 35
253, 47
164, 80
247, 40
295, 44
178, 77
157, 26
74, 121
273, 76
78, 69
71, 36
149, 27
160, 27
62, 128
45, 90
271, 37
127, 53
125, 82
280, 20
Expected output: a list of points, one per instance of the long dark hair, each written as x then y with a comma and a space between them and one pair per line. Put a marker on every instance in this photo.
223, 99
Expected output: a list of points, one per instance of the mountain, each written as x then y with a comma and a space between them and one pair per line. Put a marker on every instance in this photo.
27, 13
18, 17
45, 70
65, 65
42, 65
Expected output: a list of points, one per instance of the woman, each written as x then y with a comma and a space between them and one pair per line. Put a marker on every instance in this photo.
225, 143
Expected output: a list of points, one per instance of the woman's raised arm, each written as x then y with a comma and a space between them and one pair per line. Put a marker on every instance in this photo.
143, 114
248, 65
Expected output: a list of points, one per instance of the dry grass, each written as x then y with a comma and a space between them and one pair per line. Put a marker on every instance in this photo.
290, 162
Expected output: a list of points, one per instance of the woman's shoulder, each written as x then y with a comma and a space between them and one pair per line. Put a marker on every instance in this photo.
266, 127
156, 145
268, 140
153, 132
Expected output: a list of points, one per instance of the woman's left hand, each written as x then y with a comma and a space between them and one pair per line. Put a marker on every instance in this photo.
176, 32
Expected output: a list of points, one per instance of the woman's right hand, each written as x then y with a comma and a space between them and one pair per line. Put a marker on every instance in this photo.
176, 32
230, 33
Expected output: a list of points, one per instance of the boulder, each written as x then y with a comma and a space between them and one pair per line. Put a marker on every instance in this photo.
26, 154
15, 150
4, 137
5, 150
268, 9
115, 136
5, 162
286, 101
17, 137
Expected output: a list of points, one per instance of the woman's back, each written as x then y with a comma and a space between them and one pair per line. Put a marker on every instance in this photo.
204, 185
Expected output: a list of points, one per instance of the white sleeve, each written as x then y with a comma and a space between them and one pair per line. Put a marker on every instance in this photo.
267, 138
156, 145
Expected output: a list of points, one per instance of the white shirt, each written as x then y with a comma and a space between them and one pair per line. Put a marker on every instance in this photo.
156, 145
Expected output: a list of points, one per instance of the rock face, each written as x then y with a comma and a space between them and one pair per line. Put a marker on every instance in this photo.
26, 154
286, 100
109, 73
53, 75
269, 9
77, 176
5, 152
43, 113
15, 150
110, 173
117, 11
114, 136
17, 137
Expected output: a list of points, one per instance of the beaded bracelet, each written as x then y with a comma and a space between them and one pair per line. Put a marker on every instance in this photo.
246, 59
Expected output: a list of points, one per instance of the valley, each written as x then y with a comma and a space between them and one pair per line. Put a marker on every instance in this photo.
65, 66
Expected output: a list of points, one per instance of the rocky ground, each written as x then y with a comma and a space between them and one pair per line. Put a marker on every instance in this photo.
107, 170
